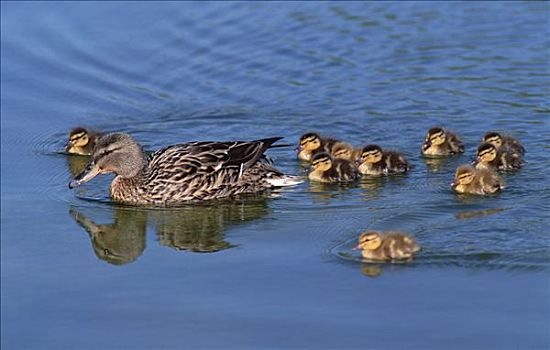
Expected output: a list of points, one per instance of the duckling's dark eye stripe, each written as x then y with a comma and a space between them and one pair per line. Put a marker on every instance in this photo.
76, 137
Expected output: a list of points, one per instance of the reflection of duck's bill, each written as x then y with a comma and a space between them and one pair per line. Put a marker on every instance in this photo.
91, 171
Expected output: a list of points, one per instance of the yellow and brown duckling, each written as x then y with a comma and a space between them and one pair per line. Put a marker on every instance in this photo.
312, 143
82, 141
388, 246
489, 157
375, 161
343, 150
441, 142
470, 180
185, 172
501, 140
325, 169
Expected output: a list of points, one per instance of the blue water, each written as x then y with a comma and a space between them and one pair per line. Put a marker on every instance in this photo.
274, 271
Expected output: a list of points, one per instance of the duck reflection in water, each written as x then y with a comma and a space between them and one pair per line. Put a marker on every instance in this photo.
118, 243
196, 228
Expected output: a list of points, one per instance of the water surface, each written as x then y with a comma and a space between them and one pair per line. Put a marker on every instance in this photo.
275, 270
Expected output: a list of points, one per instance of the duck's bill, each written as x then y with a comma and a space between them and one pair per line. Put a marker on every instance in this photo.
426, 145
357, 247
91, 171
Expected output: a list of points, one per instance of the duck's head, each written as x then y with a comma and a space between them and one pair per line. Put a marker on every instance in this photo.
464, 176
310, 142
494, 138
369, 241
78, 137
486, 153
321, 162
434, 137
342, 150
371, 154
113, 153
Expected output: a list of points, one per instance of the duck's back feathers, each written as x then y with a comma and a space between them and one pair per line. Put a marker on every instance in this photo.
394, 162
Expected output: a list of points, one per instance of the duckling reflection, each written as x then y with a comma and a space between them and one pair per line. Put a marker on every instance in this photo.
200, 228
118, 243
76, 163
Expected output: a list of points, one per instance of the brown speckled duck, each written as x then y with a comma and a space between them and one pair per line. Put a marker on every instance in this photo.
185, 172
476, 181
388, 246
375, 161
82, 141
325, 169
343, 150
441, 142
311, 144
489, 157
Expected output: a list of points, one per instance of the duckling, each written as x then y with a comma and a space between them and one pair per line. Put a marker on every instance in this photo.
343, 150
489, 157
184, 172
375, 161
311, 143
326, 169
387, 246
82, 141
476, 181
500, 140
441, 142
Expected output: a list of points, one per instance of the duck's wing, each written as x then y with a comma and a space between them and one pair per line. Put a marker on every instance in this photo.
207, 157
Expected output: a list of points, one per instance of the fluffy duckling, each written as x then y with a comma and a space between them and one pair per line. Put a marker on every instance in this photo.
489, 157
326, 169
387, 246
441, 142
375, 161
499, 140
311, 143
476, 181
82, 141
343, 150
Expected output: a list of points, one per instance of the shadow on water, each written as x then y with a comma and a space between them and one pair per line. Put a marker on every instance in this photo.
195, 228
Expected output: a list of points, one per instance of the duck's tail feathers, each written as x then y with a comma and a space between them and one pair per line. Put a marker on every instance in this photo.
285, 180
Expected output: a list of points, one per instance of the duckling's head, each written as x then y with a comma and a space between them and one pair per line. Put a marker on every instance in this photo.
486, 153
114, 153
434, 137
342, 150
78, 137
464, 175
494, 138
310, 141
369, 241
371, 154
321, 162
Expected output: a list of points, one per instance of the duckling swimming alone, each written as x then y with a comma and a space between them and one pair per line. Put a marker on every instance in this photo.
476, 181
489, 157
82, 141
500, 140
441, 142
326, 169
311, 144
387, 246
343, 150
375, 161
183, 172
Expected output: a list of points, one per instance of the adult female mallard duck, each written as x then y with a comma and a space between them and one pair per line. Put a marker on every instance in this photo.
82, 141
441, 142
185, 172
489, 157
388, 246
501, 140
375, 161
311, 144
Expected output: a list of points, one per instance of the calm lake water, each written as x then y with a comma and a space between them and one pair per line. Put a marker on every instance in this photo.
274, 271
